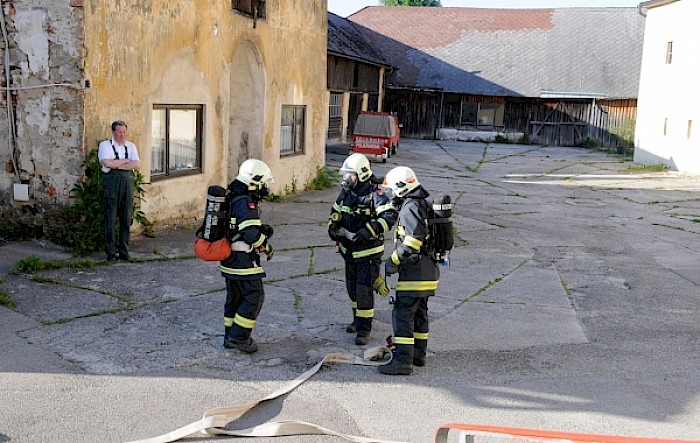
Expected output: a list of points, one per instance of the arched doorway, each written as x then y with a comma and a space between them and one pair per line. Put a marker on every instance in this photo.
247, 107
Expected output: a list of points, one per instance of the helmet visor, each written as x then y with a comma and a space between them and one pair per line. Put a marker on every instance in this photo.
386, 190
349, 179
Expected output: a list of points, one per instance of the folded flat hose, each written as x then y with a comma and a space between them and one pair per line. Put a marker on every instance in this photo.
215, 420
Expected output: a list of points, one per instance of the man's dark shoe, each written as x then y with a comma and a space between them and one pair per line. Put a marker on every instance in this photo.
396, 368
111, 257
419, 361
124, 257
361, 340
351, 328
248, 346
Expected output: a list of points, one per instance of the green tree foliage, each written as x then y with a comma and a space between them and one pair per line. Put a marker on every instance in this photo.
410, 2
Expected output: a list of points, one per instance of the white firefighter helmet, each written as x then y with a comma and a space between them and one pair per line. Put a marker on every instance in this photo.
255, 173
355, 168
401, 180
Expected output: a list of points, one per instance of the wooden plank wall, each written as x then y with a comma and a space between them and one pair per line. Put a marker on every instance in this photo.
608, 123
571, 122
418, 111
612, 123
351, 76
335, 128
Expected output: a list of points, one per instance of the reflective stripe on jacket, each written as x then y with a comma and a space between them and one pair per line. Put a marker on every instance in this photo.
365, 209
419, 274
245, 223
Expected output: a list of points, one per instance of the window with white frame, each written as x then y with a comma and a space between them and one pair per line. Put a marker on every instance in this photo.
481, 114
336, 105
669, 52
292, 130
176, 140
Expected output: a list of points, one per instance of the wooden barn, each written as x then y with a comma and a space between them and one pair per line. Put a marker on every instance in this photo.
565, 76
355, 76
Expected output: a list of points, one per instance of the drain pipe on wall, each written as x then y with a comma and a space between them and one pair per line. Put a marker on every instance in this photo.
10, 114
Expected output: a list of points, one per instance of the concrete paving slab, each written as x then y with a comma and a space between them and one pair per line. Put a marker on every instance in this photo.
19, 356
500, 325
532, 284
141, 283
13, 252
49, 302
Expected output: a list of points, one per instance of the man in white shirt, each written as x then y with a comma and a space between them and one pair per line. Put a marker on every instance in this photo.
119, 158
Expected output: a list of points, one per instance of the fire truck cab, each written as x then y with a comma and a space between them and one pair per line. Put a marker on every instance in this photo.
376, 134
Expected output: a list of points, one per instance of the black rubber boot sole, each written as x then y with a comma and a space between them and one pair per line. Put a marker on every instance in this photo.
396, 369
361, 340
248, 346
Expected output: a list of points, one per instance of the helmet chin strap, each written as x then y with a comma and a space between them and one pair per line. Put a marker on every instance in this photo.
258, 192
397, 201
263, 193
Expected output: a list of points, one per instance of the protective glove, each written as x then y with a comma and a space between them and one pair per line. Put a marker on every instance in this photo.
336, 233
363, 235
268, 250
350, 235
390, 268
381, 287
267, 230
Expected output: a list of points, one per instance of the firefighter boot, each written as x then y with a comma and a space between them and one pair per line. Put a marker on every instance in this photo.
226, 329
248, 346
364, 326
239, 338
419, 349
352, 327
401, 362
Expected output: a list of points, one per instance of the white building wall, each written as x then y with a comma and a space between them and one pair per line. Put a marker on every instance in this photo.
669, 94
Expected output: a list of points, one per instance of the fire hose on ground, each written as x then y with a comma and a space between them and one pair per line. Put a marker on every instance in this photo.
216, 420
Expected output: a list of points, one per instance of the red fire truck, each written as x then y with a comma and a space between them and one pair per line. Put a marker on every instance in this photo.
376, 134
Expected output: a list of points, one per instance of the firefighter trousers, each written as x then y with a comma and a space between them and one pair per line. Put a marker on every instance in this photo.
410, 321
244, 300
360, 274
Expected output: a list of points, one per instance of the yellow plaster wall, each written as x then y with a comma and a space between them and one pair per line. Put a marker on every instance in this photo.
180, 52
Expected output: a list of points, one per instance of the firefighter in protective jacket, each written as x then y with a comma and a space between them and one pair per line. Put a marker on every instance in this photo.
242, 270
359, 218
418, 271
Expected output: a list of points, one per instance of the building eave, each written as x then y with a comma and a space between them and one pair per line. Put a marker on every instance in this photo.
560, 94
644, 6
361, 60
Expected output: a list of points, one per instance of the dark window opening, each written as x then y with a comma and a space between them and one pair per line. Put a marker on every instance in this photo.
252, 8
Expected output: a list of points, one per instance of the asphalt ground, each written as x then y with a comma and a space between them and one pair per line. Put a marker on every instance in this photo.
571, 303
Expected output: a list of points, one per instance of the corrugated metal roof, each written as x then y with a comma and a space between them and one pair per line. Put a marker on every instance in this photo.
510, 52
346, 38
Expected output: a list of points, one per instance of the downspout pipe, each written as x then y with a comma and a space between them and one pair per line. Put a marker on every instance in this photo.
12, 136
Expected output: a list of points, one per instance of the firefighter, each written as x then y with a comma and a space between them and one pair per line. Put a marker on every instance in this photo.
359, 218
417, 268
242, 270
